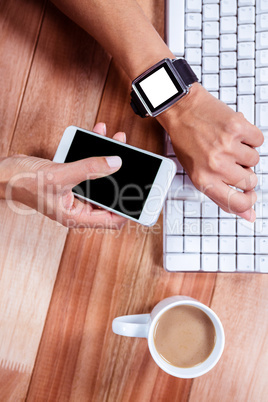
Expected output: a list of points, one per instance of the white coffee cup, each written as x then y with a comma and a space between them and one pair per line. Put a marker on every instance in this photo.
143, 325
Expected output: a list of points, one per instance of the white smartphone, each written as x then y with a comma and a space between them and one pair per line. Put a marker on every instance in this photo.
136, 191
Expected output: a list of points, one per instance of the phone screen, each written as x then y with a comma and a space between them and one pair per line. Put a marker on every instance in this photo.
127, 189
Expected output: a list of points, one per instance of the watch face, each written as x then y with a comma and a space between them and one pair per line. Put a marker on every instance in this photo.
159, 88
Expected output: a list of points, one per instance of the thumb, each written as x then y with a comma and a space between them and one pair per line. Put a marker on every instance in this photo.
93, 168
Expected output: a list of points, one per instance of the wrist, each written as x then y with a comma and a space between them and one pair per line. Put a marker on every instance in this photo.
170, 118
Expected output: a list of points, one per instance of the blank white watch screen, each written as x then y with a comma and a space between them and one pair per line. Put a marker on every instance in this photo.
158, 87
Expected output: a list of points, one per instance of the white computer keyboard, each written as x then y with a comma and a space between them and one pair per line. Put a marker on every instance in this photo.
226, 44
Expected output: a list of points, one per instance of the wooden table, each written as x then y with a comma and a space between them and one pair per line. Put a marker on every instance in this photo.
60, 290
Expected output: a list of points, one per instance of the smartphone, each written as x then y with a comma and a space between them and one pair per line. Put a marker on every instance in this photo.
136, 191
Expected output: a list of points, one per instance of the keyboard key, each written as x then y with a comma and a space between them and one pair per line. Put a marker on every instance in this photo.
262, 93
261, 263
228, 42
262, 115
210, 82
193, 55
174, 244
193, 21
228, 7
191, 226
228, 25
227, 244
245, 228
193, 39
261, 6
210, 227
227, 227
262, 76
246, 33
245, 245
210, 65
227, 262
246, 50
174, 217
261, 209
242, 3
210, 47
192, 244
246, 15
245, 86
211, 12
228, 94
246, 105
262, 58
210, 30
209, 209
228, 78
246, 68
261, 22
194, 6
175, 26
228, 60
261, 227
210, 262
192, 209
209, 244
245, 263
262, 40
261, 245
182, 262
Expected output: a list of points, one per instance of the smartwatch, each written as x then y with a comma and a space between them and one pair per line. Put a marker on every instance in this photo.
161, 86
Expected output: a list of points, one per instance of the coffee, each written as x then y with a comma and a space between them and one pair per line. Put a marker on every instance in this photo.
184, 336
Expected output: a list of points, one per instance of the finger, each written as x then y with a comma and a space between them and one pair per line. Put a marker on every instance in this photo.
240, 177
73, 173
233, 201
120, 136
100, 128
251, 135
247, 156
83, 215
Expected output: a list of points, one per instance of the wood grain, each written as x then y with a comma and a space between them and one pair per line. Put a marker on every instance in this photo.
241, 301
32, 245
20, 24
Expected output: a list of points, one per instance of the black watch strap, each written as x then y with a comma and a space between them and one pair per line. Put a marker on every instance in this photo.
136, 105
184, 71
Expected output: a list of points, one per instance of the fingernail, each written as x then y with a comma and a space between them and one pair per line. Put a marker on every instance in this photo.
104, 129
125, 137
114, 161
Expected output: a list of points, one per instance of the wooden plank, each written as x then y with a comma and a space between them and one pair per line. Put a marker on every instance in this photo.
57, 94
20, 23
241, 301
64, 87
28, 270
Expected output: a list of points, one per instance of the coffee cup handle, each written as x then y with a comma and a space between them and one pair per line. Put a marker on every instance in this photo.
132, 325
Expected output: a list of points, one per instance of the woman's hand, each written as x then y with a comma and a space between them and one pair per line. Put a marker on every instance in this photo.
216, 146
47, 186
